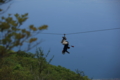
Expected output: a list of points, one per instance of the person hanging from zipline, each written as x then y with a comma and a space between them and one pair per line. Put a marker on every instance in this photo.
66, 45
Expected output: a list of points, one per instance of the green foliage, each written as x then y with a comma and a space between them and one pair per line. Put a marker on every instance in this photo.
13, 36
17, 67
36, 67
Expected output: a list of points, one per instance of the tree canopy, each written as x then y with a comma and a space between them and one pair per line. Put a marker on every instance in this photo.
12, 35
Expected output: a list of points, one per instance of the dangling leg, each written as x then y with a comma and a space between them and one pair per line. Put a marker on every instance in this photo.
66, 47
63, 51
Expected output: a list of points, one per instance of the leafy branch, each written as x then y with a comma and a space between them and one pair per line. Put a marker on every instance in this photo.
12, 35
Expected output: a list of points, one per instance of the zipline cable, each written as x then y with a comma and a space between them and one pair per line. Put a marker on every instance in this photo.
82, 32
52, 33
93, 31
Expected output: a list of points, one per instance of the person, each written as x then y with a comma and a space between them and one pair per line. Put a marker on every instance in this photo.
66, 45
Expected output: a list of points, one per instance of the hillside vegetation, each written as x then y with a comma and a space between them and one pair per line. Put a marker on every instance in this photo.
27, 66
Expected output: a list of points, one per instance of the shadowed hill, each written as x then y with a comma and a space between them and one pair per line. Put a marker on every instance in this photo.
28, 66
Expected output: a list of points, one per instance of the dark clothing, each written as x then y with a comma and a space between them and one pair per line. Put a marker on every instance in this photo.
65, 48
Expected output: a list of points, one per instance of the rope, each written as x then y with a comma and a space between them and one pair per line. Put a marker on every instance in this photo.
53, 33
82, 32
